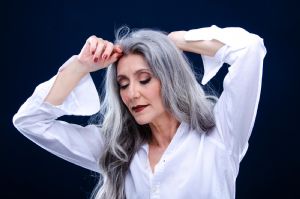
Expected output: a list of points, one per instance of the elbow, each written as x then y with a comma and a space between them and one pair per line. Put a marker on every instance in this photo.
25, 124
17, 122
252, 52
20, 122
256, 45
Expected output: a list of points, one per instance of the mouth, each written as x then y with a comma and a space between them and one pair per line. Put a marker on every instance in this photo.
139, 108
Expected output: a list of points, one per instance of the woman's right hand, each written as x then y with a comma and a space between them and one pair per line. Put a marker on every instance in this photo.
98, 53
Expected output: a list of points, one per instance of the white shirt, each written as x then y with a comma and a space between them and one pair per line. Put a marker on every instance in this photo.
195, 165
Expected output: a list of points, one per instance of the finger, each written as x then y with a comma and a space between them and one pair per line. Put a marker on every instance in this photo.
115, 57
99, 50
92, 41
107, 51
118, 49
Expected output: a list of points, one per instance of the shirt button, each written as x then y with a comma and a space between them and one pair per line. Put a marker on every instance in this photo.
155, 189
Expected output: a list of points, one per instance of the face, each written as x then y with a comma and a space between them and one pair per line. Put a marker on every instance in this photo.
139, 89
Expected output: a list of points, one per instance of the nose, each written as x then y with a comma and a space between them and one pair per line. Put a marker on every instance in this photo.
133, 91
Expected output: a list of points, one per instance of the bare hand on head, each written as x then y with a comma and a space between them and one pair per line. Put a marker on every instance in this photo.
178, 38
98, 53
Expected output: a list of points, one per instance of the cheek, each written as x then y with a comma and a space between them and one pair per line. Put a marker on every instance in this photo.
155, 91
124, 97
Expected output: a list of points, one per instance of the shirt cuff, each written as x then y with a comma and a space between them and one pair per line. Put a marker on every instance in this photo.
83, 100
233, 38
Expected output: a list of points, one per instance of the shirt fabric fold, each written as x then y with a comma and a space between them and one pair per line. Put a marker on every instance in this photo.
195, 164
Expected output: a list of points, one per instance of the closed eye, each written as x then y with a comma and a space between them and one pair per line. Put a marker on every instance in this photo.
123, 86
145, 81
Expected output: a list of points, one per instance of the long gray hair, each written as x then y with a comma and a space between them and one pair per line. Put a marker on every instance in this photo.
182, 96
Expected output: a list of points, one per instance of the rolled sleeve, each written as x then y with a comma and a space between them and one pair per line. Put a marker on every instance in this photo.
37, 120
236, 108
233, 37
83, 100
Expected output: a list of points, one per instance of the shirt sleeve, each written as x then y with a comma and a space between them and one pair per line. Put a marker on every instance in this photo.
236, 108
37, 120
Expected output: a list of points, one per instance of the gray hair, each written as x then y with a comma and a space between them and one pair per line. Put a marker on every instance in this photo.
182, 96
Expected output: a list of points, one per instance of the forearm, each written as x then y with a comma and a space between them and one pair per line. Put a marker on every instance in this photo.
66, 81
203, 47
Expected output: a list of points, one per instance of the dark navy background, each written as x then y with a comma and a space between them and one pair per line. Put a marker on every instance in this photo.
38, 36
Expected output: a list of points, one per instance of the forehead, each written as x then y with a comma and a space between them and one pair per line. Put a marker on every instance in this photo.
132, 63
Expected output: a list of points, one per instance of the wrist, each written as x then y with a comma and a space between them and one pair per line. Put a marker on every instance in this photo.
75, 66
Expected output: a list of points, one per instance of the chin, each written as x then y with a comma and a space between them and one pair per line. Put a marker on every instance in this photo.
142, 121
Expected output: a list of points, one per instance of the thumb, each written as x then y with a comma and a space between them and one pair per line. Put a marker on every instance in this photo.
115, 57
118, 49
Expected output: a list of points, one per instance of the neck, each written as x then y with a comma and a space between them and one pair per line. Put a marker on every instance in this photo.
163, 130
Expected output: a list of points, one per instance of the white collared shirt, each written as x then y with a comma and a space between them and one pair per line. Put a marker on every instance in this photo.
194, 165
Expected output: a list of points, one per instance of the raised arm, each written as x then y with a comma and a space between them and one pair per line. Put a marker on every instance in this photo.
95, 55
70, 92
236, 108
202, 47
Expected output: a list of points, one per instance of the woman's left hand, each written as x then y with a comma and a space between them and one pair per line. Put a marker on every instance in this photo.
178, 38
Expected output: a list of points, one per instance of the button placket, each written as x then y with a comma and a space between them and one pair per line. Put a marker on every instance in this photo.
159, 171
155, 183
155, 190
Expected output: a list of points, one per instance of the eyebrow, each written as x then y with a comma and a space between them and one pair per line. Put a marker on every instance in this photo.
135, 73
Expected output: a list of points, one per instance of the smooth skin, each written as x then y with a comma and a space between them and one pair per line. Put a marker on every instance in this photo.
135, 87
95, 55
138, 86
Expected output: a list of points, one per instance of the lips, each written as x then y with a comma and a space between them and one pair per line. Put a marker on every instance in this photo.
139, 108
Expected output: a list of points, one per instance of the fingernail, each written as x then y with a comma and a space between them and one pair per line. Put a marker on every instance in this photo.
93, 52
96, 59
104, 56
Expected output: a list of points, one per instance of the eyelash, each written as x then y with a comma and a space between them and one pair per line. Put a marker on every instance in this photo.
142, 82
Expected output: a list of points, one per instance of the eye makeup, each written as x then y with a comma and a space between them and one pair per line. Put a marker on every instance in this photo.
144, 82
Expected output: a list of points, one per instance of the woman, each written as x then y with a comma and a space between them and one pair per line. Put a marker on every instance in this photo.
159, 135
